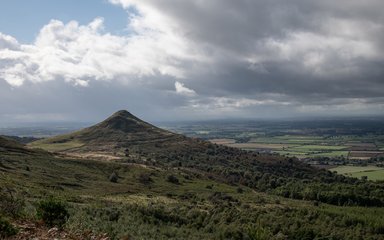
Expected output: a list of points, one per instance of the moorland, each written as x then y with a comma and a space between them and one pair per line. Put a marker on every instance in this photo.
127, 179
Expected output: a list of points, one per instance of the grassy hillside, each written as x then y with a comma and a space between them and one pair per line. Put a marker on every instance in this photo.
371, 172
111, 136
145, 204
127, 139
129, 179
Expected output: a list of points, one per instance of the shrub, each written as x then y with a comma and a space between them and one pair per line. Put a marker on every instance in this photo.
6, 228
259, 233
114, 177
53, 212
217, 197
10, 205
145, 178
173, 179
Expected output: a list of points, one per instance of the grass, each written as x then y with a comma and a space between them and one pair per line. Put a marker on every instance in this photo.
372, 172
354, 169
305, 148
260, 146
313, 154
164, 210
329, 154
377, 175
308, 146
197, 206
57, 147
291, 153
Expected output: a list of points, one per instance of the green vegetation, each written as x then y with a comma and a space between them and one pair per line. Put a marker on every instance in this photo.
161, 209
57, 147
6, 228
371, 172
371, 175
324, 142
318, 147
53, 212
161, 185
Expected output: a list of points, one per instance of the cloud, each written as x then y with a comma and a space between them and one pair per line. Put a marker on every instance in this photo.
297, 43
182, 90
8, 42
246, 58
80, 54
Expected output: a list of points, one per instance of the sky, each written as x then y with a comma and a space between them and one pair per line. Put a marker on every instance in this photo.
169, 60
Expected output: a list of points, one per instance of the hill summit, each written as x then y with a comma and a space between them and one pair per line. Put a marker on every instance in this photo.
123, 136
126, 122
119, 132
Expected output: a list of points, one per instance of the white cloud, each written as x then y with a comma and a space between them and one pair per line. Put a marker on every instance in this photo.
80, 54
182, 90
164, 43
248, 55
8, 42
233, 104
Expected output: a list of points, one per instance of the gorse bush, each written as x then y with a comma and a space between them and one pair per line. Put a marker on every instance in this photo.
173, 179
114, 177
6, 229
145, 178
53, 212
10, 204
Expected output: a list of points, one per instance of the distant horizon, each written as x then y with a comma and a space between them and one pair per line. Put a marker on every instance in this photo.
71, 124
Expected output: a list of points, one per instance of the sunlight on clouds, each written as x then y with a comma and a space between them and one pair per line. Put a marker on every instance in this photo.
182, 90
227, 103
248, 55
81, 53
8, 42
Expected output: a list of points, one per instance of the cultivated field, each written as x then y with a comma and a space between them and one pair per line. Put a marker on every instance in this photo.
309, 146
371, 172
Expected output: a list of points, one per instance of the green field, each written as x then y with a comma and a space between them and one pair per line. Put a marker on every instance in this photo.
309, 146
291, 153
287, 148
372, 172
318, 148
330, 154
56, 147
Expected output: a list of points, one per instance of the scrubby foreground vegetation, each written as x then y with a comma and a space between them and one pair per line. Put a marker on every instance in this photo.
145, 203
166, 186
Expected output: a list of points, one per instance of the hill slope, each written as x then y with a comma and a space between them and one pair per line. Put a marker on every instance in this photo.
166, 186
112, 136
127, 139
11, 146
145, 203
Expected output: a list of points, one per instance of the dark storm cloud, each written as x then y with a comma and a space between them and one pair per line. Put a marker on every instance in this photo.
198, 59
308, 51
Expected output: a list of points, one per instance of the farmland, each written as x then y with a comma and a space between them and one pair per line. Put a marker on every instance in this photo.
371, 172
330, 142
167, 186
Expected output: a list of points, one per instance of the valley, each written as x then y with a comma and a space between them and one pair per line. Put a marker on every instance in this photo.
323, 143
127, 179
